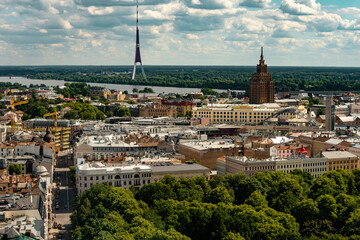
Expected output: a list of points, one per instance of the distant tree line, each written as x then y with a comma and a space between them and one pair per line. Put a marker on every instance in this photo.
224, 79
216, 77
271, 205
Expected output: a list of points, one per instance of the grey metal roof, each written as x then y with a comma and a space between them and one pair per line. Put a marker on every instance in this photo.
338, 154
180, 168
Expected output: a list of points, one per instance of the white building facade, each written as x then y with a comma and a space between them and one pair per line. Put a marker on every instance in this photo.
88, 174
315, 166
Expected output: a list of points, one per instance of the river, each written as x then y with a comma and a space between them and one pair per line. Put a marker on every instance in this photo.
121, 87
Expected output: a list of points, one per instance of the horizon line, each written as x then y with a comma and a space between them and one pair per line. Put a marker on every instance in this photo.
103, 65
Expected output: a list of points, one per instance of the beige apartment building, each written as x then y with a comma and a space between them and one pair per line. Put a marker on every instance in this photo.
208, 151
250, 166
158, 110
243, 114
341, 160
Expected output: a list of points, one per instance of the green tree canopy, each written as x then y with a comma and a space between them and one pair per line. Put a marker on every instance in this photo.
15, 169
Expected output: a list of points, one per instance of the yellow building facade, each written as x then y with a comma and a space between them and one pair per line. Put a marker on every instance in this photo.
242, 114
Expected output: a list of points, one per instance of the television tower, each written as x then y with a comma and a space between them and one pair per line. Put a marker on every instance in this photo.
137, 49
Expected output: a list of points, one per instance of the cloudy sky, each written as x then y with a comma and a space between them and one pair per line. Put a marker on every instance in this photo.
180, 32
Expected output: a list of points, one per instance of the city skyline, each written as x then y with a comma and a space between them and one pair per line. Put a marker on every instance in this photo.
180, 32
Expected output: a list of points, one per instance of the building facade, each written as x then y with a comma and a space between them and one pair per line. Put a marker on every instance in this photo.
158, 110
248, 166
182, 107
89, 173
180, 171
341, 160
127, 175
288, 150
261, 86
315, 166
330, 114
207, 152
241, 114
116, 144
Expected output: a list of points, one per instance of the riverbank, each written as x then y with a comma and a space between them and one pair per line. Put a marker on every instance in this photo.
121, 87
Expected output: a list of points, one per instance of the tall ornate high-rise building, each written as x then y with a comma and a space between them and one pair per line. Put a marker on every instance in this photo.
261, 86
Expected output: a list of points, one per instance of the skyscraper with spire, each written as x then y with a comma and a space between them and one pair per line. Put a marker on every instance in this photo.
261, 87
137, 48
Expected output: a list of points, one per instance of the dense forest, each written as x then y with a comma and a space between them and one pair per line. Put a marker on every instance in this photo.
217, 77
271, 205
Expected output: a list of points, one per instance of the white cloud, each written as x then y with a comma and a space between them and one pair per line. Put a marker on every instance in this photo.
192, 36
353, 11
100, 10
300, 7
329, 22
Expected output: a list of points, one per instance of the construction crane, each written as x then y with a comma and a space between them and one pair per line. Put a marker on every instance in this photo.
55, 113
12, 106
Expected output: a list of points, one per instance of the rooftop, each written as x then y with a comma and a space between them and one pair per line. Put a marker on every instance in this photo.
84, 167
338, 154
209, 144
112, 140
179, 168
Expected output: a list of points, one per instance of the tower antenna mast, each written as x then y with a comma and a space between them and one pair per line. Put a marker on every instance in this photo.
137, 48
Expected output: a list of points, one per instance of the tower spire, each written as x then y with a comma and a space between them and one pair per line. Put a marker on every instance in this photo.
137, 13
137, 48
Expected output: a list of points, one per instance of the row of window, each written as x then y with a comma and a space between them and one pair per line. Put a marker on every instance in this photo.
119, 184
342, 162
315, 170
120, 149
231, 113
342, 167
259, 168
299, 165
124, 176
231, 120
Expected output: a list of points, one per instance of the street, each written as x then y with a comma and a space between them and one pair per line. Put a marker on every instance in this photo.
64, 194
